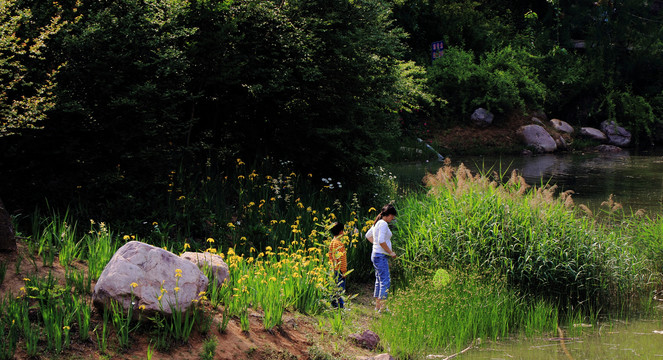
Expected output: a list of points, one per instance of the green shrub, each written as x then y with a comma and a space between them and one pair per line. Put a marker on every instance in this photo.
501, 80
631, 111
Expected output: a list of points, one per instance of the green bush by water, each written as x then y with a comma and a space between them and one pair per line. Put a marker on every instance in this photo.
535, 240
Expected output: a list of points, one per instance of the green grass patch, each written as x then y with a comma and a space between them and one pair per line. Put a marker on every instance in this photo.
427, 318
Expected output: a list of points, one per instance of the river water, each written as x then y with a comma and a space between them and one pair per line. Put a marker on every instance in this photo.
642, 339
635, 179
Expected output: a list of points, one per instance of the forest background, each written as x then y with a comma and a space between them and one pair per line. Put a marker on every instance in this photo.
108, 105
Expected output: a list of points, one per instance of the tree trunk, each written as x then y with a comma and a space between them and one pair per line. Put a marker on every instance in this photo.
7, 239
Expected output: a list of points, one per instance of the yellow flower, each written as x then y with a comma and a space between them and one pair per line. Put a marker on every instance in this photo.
126, 237
155, 223
371, 209
66, 327
187, 246
269, 248
181, 198
177, 288
231, 225
241, 177
310, 175
243, 238
142, 307
210, 240
26, 279
134, 285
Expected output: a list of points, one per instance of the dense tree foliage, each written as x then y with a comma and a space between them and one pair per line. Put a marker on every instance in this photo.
129, 91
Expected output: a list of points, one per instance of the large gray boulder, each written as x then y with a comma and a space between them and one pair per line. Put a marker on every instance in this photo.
537, 137
592, 133
145, 270
209, 262
561, 126
482, 118
616, 135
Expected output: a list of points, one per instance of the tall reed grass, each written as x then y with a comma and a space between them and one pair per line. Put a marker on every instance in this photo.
541, 243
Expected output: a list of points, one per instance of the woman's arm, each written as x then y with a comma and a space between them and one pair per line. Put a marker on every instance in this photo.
387, 249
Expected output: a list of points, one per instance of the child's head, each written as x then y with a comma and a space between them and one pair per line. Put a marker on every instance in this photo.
337, 229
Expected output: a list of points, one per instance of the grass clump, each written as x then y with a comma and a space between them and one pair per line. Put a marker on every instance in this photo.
538, 242
427, 318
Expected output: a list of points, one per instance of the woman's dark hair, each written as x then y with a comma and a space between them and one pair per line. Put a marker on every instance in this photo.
337, 228
387, 210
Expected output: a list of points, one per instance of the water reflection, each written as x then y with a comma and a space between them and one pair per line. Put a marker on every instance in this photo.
634, 180
639, 339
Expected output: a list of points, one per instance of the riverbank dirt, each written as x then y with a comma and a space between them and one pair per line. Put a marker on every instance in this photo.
500, 137
300, 337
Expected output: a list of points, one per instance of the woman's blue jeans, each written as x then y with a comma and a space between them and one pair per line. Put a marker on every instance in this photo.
382, 278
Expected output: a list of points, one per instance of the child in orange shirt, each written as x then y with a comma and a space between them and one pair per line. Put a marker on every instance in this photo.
338, 258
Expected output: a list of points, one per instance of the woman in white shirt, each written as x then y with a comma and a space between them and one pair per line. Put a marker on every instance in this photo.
380, 236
